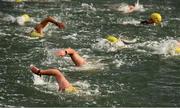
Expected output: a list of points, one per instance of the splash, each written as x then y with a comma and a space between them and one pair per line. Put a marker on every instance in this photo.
45, 84
126, 8
85, 88
49, 86
164, 47
38, 80
88, 7
130, 21
118, 63
53, 61
9, 18
104, 45
92, 66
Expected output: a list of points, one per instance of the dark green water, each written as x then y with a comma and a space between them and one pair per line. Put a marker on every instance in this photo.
127, 77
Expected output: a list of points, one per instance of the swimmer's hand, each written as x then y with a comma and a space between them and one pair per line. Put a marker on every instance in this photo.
35, 70
60, 53
61, 25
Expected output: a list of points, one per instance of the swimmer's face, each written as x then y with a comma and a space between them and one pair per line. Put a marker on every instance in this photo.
151, 21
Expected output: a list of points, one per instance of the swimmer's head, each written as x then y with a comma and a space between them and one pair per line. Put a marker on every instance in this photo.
19, 1
112, 39
71, 89
177, 50
26, 17
156, 18
36, 34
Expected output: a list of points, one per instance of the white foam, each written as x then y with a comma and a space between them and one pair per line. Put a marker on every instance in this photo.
87, 6
104, 45
132, 21
9, 18
124, 7
72, 36
38, 80
164, 47
85, 89
91, 66
118, 63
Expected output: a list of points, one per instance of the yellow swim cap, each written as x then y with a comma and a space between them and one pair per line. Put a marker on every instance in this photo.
177, 50
19, 1
71, 89
36, 34
26, 17
112, 38
156, 17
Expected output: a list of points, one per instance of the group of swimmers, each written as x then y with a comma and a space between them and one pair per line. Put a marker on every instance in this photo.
63, 83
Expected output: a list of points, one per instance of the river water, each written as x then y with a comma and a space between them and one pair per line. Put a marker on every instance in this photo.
114, 77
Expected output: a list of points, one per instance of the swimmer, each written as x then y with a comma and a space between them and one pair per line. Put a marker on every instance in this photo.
155, 18
119, 42
128, 8
76, 58
20, 20
63, 83
38, 30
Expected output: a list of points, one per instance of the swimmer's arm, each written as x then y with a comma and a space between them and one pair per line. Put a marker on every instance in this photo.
58, 24
68, 51
76, 58
39, 27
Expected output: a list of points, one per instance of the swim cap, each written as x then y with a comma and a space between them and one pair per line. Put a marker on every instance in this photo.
36, 34
71, 89
26, 18
177, 50
19, 1
112, 38
156, 17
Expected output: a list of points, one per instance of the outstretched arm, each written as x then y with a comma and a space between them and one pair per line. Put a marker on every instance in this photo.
39, 27
76, 58
61, 80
